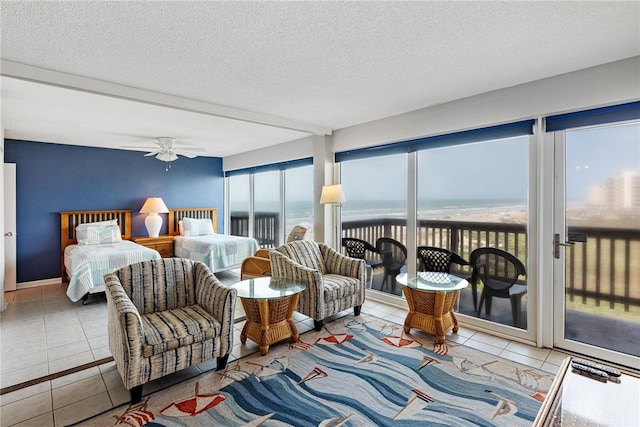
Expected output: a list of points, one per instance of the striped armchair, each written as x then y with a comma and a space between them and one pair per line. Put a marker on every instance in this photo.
334, 282
165, 315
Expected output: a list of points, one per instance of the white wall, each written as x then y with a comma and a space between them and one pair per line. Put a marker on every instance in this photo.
608, 84
291, 150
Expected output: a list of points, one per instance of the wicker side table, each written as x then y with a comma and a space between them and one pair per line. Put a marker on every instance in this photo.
269, 305
431, 298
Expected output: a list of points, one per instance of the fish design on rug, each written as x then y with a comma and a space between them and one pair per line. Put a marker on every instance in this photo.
503, 407
355, 325
388, 329
193, 405
315, 374
335, 421
472, 368
274, 367
417, 401
528, 378
135, 415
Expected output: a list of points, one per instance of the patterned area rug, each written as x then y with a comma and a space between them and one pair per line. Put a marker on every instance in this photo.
356, 372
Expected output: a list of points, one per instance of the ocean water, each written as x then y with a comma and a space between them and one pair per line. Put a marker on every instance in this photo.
301, 212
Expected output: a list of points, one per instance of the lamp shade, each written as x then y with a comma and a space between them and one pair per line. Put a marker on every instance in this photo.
154, 205
332, 195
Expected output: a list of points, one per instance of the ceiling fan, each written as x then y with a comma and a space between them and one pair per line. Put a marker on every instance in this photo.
168, 149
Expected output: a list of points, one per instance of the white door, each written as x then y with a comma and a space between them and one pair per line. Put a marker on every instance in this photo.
10, 269
597, 242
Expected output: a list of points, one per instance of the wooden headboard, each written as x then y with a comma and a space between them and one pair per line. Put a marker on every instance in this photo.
70, 220
175, 215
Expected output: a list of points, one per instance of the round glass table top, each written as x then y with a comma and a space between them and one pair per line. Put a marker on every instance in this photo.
267, 288
432, 281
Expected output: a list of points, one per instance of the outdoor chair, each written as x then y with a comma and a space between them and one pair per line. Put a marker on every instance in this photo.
357, 248
438, 259
498, 271
334, 282
166, 315
394, 256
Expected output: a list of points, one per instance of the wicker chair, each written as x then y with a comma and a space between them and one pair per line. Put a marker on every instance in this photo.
257, 265
334, 282
499, 272
165, 315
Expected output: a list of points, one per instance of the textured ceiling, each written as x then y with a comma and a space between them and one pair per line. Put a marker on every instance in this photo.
300, 67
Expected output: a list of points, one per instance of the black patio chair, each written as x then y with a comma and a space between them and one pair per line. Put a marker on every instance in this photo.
394, 256
357, 248
438, 259
498, 271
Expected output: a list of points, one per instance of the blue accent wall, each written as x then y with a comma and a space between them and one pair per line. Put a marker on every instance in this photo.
54, 177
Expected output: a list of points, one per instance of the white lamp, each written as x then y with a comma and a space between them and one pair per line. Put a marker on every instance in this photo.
333, 195
153, 206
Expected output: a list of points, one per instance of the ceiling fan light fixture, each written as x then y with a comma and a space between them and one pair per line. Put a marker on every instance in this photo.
167, 156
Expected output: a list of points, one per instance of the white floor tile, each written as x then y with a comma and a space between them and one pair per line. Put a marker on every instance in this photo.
44, 420
23, 393
82, 409
80, 390
519, 358
22, 410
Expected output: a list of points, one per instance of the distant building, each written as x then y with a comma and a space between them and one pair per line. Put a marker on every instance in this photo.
618, 192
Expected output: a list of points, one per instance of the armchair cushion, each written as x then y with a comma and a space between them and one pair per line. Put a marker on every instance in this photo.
336, 286
306, 253
170, 329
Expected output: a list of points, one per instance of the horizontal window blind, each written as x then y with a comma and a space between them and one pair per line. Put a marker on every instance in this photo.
596, 116
508, 130
289, 164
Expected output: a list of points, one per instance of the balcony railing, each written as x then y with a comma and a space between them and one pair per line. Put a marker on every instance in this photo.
600, 269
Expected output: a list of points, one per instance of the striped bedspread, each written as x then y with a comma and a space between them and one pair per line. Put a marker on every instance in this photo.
218, 251
87, 264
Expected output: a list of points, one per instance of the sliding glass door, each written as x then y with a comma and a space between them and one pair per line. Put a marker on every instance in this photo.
597, 242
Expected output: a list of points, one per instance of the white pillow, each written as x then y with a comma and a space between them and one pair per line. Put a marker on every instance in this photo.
95, 233
197, 227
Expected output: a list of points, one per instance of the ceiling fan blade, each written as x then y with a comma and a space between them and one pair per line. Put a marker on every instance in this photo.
186, 154
153, 153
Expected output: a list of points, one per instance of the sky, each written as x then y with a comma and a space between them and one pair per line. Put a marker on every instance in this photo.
486, 170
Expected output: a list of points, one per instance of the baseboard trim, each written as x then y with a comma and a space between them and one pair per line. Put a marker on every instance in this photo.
36, 283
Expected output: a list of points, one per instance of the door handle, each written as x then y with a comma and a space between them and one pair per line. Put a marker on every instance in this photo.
557, 244
9, 234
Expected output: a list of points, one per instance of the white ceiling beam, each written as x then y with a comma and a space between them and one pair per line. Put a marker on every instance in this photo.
100, 87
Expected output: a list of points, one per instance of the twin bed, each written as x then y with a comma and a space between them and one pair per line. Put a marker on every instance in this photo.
101, 249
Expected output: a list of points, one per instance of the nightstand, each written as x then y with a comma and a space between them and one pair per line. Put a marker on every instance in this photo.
162, 244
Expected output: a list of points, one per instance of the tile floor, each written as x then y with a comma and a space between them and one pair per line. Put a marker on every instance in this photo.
43, 332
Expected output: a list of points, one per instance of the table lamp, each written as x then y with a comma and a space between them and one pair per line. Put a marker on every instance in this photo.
333, 195
153, 206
